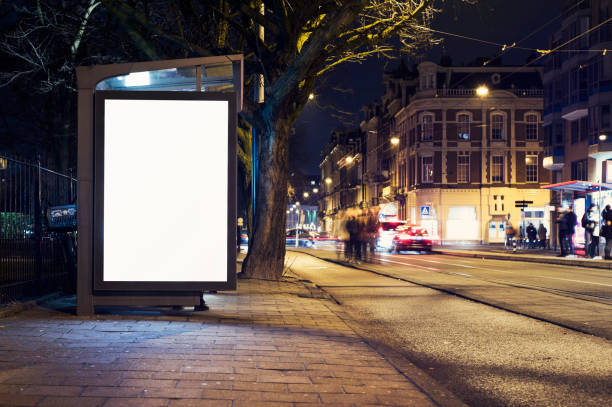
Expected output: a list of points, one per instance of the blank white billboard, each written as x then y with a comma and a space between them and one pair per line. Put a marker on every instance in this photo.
165, 190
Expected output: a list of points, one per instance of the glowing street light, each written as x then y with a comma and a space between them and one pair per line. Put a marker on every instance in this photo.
288, 211
349, 159
315, 190
395, 140
603, 137
306, 194
482, 91
297, 203
311, 96
328, 180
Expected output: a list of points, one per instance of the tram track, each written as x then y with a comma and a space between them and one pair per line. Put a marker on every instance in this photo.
396, 273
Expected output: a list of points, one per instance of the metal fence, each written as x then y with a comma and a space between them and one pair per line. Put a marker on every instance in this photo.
33, 260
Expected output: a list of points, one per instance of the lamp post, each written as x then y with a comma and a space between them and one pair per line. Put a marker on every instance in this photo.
297, 222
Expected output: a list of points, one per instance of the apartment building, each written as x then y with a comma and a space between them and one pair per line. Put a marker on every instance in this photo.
578, 98
471, 144
342, 188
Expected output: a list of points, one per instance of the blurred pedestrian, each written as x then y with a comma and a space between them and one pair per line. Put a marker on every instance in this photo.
360, 238
352, 226
542, 235
372, 230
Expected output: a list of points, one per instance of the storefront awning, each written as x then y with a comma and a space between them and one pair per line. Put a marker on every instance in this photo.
578, 186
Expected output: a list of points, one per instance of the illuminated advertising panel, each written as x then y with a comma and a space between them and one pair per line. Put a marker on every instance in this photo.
164, 205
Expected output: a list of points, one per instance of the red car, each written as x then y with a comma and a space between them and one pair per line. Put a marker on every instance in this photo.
411, 237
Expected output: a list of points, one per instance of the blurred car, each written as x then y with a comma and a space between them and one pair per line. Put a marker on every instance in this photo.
306, 238
386, 232
321, 236
411, 237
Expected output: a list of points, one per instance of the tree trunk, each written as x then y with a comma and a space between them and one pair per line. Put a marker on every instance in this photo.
266, 256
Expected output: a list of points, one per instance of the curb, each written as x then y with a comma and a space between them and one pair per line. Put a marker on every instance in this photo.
515, 257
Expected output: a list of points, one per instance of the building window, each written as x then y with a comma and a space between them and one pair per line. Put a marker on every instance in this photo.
580, 170
497, 168
497, 127
531, 168
427, 127
584, 129
574, 132
531, 128
463, 126
463, 168
427, 175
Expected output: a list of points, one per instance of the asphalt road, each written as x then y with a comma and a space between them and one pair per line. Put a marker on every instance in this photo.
495, 350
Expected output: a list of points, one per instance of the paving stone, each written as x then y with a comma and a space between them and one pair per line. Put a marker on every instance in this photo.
54, 401
261, 346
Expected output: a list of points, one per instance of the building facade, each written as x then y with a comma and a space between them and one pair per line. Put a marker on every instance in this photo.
342, 188
471, 144
578, 101
437, 153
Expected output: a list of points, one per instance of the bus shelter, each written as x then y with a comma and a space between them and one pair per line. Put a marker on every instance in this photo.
580, 195
157, 181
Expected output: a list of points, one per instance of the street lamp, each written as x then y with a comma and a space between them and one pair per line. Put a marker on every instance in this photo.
328, 180
482, 91
315, 190
603, 137
311, 96
395, 140
349, 159
306, 194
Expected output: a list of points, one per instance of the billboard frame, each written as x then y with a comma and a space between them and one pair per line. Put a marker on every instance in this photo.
99, 284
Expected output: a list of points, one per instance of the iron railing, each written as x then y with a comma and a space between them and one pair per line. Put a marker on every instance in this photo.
33, 259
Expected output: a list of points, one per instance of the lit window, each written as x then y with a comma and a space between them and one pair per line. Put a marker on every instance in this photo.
463, 126
497, 127
463, 168
531, 128
497, 168
531, 168
427, 169
427, 127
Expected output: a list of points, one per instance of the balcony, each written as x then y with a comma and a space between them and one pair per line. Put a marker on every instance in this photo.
575, 111
601, 150
554, 160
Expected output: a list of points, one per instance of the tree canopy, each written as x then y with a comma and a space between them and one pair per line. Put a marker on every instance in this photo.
289, 45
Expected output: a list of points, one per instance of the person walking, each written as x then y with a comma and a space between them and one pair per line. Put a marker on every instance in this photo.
352, 226
562, 230
542, 235
532, 234
371, 231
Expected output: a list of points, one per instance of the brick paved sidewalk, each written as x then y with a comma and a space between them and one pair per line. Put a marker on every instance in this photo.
268, 344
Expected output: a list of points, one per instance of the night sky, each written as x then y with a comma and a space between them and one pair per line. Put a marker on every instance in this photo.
352, 86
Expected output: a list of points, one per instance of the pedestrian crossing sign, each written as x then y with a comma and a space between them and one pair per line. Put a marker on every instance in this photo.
425, 211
